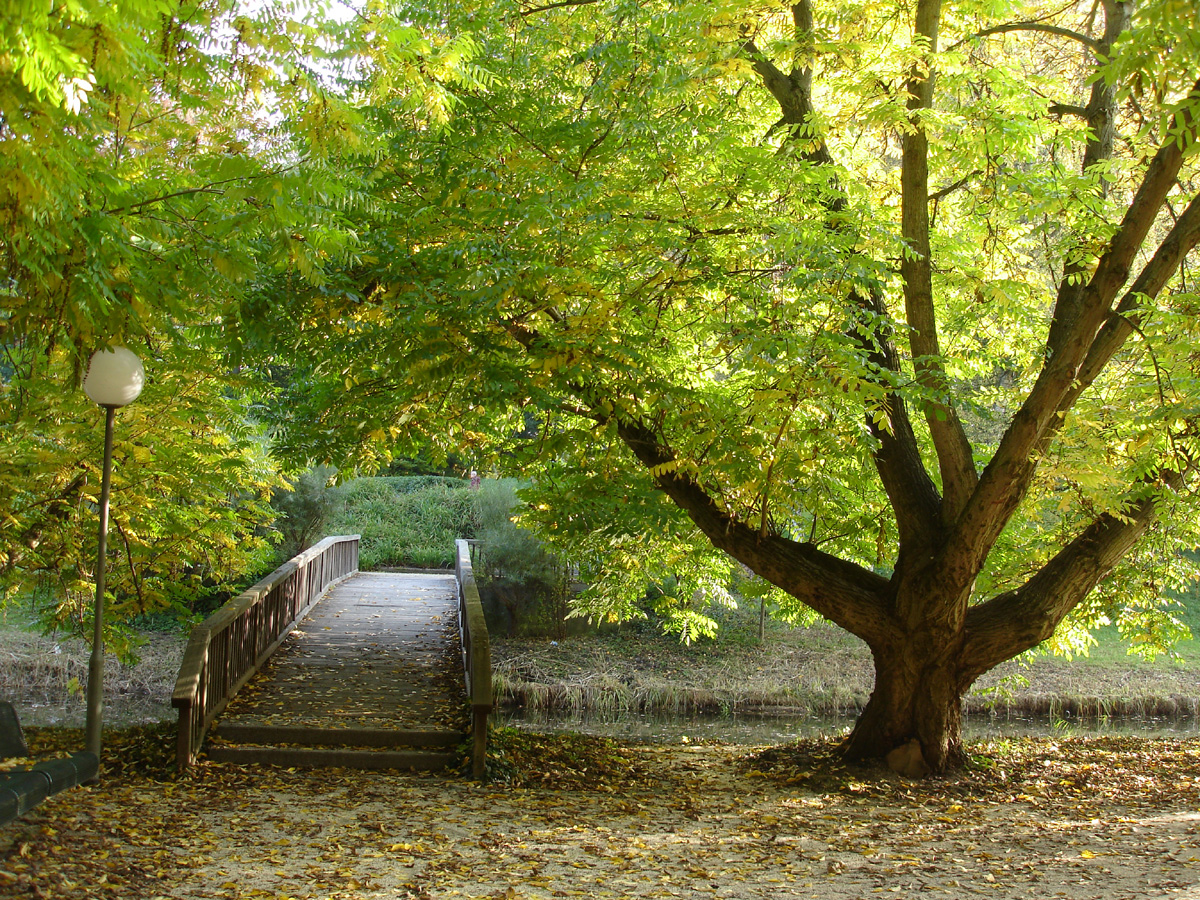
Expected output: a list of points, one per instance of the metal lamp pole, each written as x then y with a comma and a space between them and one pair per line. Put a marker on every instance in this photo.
114, 379
95, 690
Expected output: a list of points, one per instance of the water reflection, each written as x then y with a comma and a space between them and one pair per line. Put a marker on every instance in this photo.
118, 713
664, 728
658, 728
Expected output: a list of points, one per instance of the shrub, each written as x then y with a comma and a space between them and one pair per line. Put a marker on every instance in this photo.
525, 587
306, 510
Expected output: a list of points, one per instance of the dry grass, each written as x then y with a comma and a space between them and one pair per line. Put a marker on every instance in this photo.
646, 672
46, 676
816, 671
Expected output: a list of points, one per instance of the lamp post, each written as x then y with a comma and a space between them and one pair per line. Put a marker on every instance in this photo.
114, 379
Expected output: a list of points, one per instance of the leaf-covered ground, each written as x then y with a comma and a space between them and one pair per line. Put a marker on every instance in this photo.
573, 816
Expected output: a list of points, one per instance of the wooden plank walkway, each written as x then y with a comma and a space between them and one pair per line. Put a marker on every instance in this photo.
376, 663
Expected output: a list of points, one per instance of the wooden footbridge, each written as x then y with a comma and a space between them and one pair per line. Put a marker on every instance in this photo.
320, 664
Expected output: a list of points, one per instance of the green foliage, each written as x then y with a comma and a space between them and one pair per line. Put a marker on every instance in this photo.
779, 604
133, 185
137, 193
402, 523
415, 520
412, 484
1157, 60
1149, 607
614, 230
189, 497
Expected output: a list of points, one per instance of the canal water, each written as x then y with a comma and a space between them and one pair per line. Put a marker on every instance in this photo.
758, 729
119, 712
667, 728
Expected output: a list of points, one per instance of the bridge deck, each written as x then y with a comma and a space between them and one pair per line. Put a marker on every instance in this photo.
380, 651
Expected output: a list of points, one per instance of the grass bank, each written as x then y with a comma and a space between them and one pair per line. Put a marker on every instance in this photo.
811, 671
820, 670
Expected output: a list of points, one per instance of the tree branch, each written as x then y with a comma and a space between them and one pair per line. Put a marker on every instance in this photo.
211, 188
1101, 116
1015, 621
1183, 237
1090, 43
951, 188
1066, 109
843, 592
57, 509
795, 103
1007, 477
207, 189
955, 457
694, 233
911, 492
559, 5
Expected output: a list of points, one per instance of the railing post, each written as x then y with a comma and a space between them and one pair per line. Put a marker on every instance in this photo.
479, 742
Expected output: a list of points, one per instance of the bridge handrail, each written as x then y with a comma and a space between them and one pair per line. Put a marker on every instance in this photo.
228, 647
477, 653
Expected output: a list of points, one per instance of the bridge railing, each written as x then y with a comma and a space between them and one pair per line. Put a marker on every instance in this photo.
228, 647
477, 653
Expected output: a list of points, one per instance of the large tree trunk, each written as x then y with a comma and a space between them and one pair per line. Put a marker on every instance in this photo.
917, 697
930, 642
923, 671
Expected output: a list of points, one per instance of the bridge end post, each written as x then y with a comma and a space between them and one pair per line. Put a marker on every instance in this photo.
477, 656
183, 739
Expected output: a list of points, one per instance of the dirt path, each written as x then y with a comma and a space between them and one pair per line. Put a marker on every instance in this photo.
1076, 820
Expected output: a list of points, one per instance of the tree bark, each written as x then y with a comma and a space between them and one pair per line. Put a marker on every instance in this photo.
917, 697
955, 458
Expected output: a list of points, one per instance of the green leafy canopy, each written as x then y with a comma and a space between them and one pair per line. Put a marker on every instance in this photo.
615, 230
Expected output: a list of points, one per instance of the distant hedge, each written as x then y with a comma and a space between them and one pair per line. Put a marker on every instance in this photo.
406, 521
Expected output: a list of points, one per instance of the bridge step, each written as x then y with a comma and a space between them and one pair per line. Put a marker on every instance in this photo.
335, 737
304, 745
421, 760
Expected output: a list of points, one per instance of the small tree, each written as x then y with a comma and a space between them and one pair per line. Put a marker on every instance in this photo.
305, 509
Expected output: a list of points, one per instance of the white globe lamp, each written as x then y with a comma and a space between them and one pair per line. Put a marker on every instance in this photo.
114, 378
